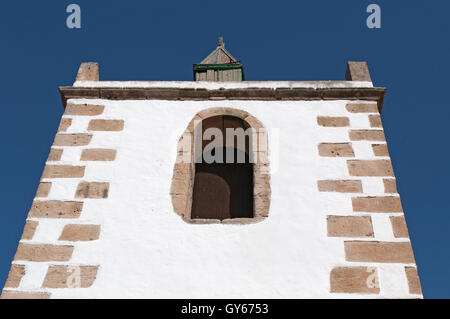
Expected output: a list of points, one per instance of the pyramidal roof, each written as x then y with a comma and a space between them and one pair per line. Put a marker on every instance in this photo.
220, 55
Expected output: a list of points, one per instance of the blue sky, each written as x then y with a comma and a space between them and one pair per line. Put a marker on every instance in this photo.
276, 40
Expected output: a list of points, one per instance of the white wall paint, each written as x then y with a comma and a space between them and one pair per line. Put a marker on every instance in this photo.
146, 250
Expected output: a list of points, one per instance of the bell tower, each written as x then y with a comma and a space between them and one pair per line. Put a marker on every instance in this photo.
124, 210
219, 66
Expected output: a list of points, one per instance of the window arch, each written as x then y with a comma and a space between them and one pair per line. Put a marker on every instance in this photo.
214, 191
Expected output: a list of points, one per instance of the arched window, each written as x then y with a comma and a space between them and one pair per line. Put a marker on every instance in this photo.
220, 175
223, 189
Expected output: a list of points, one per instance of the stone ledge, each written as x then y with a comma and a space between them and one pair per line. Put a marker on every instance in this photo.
268, 94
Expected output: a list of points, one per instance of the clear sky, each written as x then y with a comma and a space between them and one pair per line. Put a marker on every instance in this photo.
275, 40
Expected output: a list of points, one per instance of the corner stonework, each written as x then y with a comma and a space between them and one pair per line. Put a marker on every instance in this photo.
369, 184
51, 207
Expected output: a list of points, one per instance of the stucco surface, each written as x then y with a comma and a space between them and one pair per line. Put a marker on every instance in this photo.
146, 250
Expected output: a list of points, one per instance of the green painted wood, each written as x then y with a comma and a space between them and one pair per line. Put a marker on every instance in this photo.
223, 72
201, 67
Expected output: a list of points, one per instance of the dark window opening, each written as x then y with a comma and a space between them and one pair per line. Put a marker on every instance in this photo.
224, 190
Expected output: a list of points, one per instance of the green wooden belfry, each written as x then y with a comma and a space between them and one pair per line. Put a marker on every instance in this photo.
219, 66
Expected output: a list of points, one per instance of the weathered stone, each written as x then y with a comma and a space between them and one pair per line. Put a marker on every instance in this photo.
265, 94
182, 180
29, 229
183, 176
179, 202
63, 171
388, 204
336, 150
106, 125
367, 135
349, 226
413, 280
43, 189
380, 149
261, 205
370, 168
340, 186
56, 209
84, 109
253, 122
80, 232
210, 112
43, 252
64, 124
61, 276
375, 121
331, 121
390, 185
357, 71
180, 185
92, 190
55, 154
241, 221
399, 227
236, 113
88, 71
354, 280
15, 276
72, 139
14, 294
362, 107
380, 252
98, 154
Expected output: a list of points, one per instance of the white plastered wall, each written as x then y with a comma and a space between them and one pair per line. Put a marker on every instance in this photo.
145, 250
